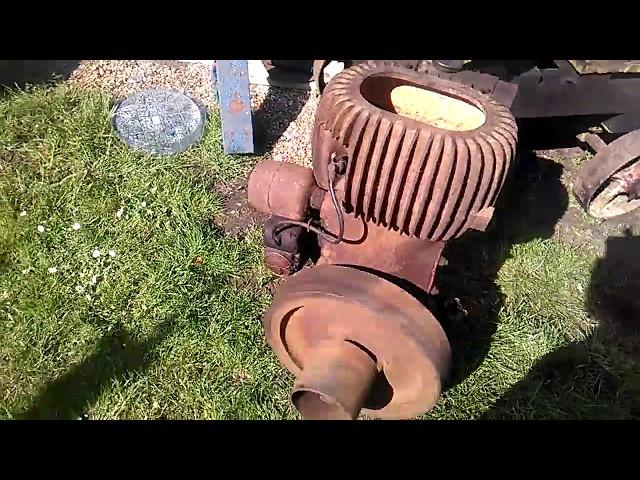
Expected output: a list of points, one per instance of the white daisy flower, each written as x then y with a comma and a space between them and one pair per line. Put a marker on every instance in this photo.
79, 288
94, 280
120, 212
112, 253
52, 269
143, 204
96, 253
154, 189
23, 213
76, 226
41, 228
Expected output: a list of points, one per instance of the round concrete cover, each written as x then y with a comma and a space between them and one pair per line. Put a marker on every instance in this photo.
160, 122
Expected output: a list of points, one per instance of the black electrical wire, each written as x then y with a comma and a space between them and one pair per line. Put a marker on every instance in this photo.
332, 167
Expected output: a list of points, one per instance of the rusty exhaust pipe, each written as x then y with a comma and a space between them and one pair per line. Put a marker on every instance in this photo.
335, 382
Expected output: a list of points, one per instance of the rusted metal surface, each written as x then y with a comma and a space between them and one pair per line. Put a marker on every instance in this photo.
407, 175
562, 91
337, 303
281, 263
609, 183
232, 81
502, 91
388, 188
369, 245
323, 146
335, 382
317, 197
283, 252
480, 221
593, 140
280, 188
560, 88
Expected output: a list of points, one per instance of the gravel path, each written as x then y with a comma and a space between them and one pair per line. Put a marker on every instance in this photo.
283, 118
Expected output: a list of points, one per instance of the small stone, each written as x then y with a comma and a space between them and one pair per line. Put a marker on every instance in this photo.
119, 213
76, 226
143, 204
23, 213
52, 269
41, 228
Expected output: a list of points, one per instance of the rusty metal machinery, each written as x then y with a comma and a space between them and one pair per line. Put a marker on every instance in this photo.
609, 182
402, 163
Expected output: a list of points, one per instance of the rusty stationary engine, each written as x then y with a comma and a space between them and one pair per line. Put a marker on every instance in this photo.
402, 163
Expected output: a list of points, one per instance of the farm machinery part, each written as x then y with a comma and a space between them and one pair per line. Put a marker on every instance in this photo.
609, 184
402, 163
542, 88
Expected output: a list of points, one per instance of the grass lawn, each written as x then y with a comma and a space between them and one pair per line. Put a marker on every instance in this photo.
165, 321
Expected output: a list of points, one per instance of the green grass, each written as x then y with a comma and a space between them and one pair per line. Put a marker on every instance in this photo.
144, 334
150, 333
542, 316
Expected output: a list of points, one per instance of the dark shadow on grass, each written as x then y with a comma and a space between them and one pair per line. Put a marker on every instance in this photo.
34, 72
614, 296
598, 378
118, 353
531, 204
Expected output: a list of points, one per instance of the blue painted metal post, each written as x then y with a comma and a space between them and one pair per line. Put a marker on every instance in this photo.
231, 78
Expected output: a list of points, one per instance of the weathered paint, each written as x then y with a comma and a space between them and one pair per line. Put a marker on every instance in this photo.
231, 78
